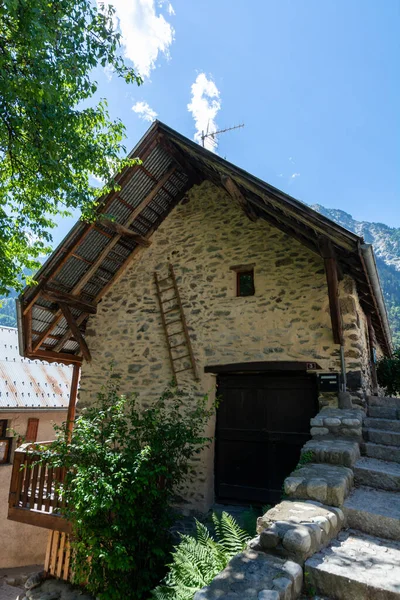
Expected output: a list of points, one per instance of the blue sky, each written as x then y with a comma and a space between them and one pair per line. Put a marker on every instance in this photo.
316, 83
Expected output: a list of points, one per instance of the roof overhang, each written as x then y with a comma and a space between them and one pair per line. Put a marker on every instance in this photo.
71, 283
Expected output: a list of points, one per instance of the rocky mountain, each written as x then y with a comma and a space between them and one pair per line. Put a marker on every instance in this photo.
386, 242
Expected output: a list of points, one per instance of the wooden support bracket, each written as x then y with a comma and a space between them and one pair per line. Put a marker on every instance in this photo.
76, 332
57, 297
125, 231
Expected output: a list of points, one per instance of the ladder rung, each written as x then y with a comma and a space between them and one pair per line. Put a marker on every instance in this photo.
180, 370
177, 345
179, 357
171, 309
172, 322
167, 289
169, 300
176, 332
165, 279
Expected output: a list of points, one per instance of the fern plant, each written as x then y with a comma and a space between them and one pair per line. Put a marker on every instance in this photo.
199, 558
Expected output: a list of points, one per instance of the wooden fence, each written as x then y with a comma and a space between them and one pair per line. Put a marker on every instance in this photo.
34, 497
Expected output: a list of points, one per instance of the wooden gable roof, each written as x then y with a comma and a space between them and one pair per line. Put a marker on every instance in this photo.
53, 314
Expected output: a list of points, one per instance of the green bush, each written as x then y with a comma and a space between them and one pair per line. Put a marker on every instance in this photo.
124, 465
199, 558
388, 371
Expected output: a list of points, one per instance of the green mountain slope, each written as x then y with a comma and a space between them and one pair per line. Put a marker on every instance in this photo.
386, 242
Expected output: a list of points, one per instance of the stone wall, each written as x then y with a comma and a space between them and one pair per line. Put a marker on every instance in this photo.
357, 351
23, 545
287, 319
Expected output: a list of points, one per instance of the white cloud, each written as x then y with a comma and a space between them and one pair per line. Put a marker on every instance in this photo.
170, 9
294, 175
280, 175
144, 111
145, 33
204, 107
291, 159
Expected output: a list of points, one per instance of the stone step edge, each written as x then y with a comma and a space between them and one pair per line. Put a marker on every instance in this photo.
384, 447
325, 581
375, 468
369, 519
382, 423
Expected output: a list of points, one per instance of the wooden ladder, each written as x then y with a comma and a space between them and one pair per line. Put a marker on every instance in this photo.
170, 324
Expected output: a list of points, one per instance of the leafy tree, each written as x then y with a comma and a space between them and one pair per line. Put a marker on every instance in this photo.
388, 371
124, 466
51, 141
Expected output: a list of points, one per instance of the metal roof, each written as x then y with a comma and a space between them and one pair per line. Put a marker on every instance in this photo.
27, 384
93, 255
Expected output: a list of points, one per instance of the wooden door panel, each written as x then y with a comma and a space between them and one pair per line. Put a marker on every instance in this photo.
262, 424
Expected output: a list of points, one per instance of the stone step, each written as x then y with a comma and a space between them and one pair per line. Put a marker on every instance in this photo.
382, 452
382, 436
376, 512
334, 452
356, 567
380, 412
387, 424
376, 473
382, 401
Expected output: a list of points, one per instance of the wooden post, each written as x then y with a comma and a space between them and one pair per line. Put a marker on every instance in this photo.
371, 340
72, 401
332, 279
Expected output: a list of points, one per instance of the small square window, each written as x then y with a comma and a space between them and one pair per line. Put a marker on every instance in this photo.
245, 283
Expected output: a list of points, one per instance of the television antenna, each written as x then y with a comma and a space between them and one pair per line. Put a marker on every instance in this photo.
211, 135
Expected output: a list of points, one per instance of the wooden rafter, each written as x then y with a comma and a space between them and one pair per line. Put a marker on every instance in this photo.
125, 231
76, 332
181, 161
97, 263
51, 356
65, 252
235, 193
287, 228
62, 297
67, 335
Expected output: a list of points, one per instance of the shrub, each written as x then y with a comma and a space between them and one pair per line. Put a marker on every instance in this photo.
123, 467
388, 371
199, 558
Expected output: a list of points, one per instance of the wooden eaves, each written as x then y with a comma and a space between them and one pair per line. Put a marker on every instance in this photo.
90, 259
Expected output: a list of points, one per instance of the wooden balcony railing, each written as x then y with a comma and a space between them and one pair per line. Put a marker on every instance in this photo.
34, 497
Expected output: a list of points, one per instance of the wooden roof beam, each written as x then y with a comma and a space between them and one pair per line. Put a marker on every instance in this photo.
235, 193
125, 231
67, 335
181, 161
76, 332
51, 356
62, 297
145, 202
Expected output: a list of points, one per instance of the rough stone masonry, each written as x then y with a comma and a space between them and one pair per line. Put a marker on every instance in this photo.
287, 318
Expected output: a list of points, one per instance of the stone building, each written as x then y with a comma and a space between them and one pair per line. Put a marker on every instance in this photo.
211, 275
33, 397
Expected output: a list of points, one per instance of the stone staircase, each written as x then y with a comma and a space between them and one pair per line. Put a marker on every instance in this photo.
363, 563
337, 533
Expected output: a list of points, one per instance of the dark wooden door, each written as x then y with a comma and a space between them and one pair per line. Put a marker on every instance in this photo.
262, 423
